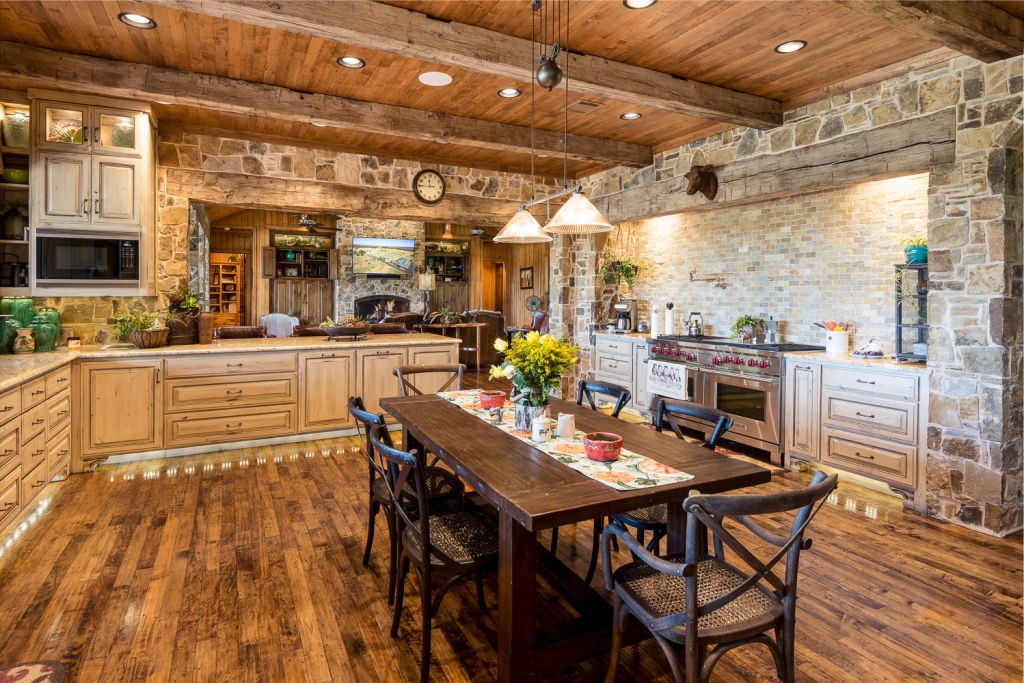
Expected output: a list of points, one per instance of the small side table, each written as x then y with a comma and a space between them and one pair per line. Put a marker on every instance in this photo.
444, 327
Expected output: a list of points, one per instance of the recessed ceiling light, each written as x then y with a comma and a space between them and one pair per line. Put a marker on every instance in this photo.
351, 62
543, 156
509, 92
441, 142
791, 46
318, 124
638, 4
631, 116
435, 78
136, 20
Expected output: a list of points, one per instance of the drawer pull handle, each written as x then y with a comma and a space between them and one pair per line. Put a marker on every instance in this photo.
863, 415
237, 365
41, 391
38, 422
869, 457
237, 424
236, 391
63, 412
63, 452
861, 381
8, 409
802, 367
38, 484
8, 451
327, 355
8, 506
39, 452
62, 379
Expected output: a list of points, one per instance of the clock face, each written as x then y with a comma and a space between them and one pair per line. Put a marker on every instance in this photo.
428, 186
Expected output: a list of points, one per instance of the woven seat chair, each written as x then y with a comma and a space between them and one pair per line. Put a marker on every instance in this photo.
696, 600
655, 518
443, 488
588, 388
462, 544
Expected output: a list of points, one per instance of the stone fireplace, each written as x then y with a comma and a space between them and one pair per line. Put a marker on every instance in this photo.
373, 309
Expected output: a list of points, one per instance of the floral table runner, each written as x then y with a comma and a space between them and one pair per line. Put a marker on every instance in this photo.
631, 471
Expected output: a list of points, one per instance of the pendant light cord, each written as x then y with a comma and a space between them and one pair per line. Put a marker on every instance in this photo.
565, 135
533, 99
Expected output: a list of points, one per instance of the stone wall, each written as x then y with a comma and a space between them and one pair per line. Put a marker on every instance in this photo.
974, 232
199, 253
351, 287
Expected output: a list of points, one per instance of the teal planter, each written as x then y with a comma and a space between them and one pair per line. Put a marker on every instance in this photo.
23, 308
916, 253
8, 331
44, 334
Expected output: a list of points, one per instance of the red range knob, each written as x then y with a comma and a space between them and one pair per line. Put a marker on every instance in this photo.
655, 349
766, 364
716, 360
751, 362
678, 352
737, 361
689, 356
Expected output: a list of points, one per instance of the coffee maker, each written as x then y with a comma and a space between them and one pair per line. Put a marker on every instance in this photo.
625, 315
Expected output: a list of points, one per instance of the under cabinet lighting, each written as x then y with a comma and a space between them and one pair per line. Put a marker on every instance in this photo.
631, 116
791, 46
638, 4
351, 62
509, 93
136, 20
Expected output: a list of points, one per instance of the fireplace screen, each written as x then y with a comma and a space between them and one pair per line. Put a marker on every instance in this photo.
373, 309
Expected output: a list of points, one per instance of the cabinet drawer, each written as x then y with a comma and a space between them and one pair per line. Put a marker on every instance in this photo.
33, 393
235, 364
58, 413
10, 496
186, 429
10, 405
880, 417
60, 471
58, 449
33, 422
58, 380
9, 452
617, 348
32, 484
855, 379
615, 367
33, 452
868, 456
229, 392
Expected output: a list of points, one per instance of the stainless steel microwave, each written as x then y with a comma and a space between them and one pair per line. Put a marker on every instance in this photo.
70, 259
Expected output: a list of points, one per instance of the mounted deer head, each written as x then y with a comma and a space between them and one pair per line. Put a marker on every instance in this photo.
702, 179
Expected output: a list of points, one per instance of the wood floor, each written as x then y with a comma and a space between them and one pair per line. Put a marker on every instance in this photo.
246, 566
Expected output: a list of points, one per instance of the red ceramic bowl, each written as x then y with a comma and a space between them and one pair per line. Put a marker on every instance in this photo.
603, 446
492, 399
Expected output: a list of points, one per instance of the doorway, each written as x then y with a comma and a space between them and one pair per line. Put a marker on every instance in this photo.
493, 278
231, 276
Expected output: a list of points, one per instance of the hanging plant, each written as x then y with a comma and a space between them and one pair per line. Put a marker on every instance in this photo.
627, 269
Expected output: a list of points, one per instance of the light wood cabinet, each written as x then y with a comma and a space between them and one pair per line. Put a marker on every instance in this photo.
803, 392
216, 426
32, 484
66, 189
640, 379
10, 496
212, 365
123, 406
430, 382
229, 392
328, 379
375, 376
116, 185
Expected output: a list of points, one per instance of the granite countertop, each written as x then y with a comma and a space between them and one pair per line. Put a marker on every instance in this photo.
632, 337
888, 363
17, 369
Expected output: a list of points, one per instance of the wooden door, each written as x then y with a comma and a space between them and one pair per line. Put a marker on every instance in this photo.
65, 196
328, 379
117, 191
318, 301
375, 376
288, 296
428, 383
493, 286
123, 406
803, 392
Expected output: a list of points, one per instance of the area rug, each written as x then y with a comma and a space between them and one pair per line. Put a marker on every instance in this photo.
46, 671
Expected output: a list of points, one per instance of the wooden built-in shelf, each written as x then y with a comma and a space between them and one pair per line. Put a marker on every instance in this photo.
14, 187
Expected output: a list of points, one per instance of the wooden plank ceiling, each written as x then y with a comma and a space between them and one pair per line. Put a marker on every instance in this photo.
721, 43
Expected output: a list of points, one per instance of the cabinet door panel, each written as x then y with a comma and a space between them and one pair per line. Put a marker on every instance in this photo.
123, 406
640, 379
376, 376
328, 381
803, 392
288, 296
117, 131
117, 190
63, 126
65, 188
431, 382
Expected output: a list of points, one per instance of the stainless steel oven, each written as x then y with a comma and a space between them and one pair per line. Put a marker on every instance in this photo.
92, 259
753, 403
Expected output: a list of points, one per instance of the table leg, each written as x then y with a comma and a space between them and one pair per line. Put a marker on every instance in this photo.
676, 541
517, 586
478, 349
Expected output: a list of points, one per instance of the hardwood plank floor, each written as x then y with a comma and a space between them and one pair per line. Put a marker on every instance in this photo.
246, 566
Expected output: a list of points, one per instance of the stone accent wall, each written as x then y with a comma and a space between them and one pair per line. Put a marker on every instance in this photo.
351, 287
974, 232
199, 253
781, 259
91, 318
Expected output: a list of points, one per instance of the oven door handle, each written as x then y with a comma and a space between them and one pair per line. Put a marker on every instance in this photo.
763, 380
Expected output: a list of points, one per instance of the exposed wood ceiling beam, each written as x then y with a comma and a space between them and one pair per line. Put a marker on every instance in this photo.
943, 54
376, 26
902, 148
978, 29
298, 196
36, 66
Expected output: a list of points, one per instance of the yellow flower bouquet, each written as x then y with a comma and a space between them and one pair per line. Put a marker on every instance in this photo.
534, 364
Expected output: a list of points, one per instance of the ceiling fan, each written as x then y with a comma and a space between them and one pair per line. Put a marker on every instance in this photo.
312, 225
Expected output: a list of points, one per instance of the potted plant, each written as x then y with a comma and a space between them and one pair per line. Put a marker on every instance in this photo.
183, 316
915, 247
445, 316
143, 329
627, 268
534, 364
747, 325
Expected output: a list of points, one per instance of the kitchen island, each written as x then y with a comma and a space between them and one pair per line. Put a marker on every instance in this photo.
66, 411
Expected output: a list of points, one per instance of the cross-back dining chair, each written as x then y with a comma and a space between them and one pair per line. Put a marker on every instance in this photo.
462, 544
406, 375
696, 600
655, 517
588, 388
443, 488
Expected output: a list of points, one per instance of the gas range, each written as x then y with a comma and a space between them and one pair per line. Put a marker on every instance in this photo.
755, 359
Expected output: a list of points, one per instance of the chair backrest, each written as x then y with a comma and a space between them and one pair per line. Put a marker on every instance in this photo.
452, 371
540, 322
309, 331
410, 320
589, 387
365, 421
279, 324
241, 332
668, 412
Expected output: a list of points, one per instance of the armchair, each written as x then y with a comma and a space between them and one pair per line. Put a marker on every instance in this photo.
539, 324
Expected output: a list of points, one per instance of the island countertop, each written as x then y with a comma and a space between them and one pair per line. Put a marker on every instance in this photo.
17, 369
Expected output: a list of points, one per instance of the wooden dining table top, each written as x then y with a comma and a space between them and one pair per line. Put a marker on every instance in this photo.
540, 492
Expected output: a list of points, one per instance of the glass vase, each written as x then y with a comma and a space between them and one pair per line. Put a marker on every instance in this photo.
23, 308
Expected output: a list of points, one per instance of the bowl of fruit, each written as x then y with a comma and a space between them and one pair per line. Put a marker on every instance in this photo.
346, 326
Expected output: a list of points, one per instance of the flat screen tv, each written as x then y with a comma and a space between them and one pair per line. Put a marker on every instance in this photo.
374, 256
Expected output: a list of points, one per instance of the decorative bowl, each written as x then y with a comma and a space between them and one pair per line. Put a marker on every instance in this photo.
309, 331
15, 175
345, 330
149, 339
603, 446
388, 328
492, 399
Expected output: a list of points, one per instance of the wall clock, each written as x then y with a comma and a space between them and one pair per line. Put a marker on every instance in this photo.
428, 186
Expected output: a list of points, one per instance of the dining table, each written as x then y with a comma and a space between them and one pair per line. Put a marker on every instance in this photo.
532, 491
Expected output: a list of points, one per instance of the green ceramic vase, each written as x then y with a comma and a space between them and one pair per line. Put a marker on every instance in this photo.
23, 308
44, 334
8, 331
52, 316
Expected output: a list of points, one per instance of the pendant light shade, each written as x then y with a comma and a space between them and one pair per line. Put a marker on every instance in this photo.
522, 229
578, 217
